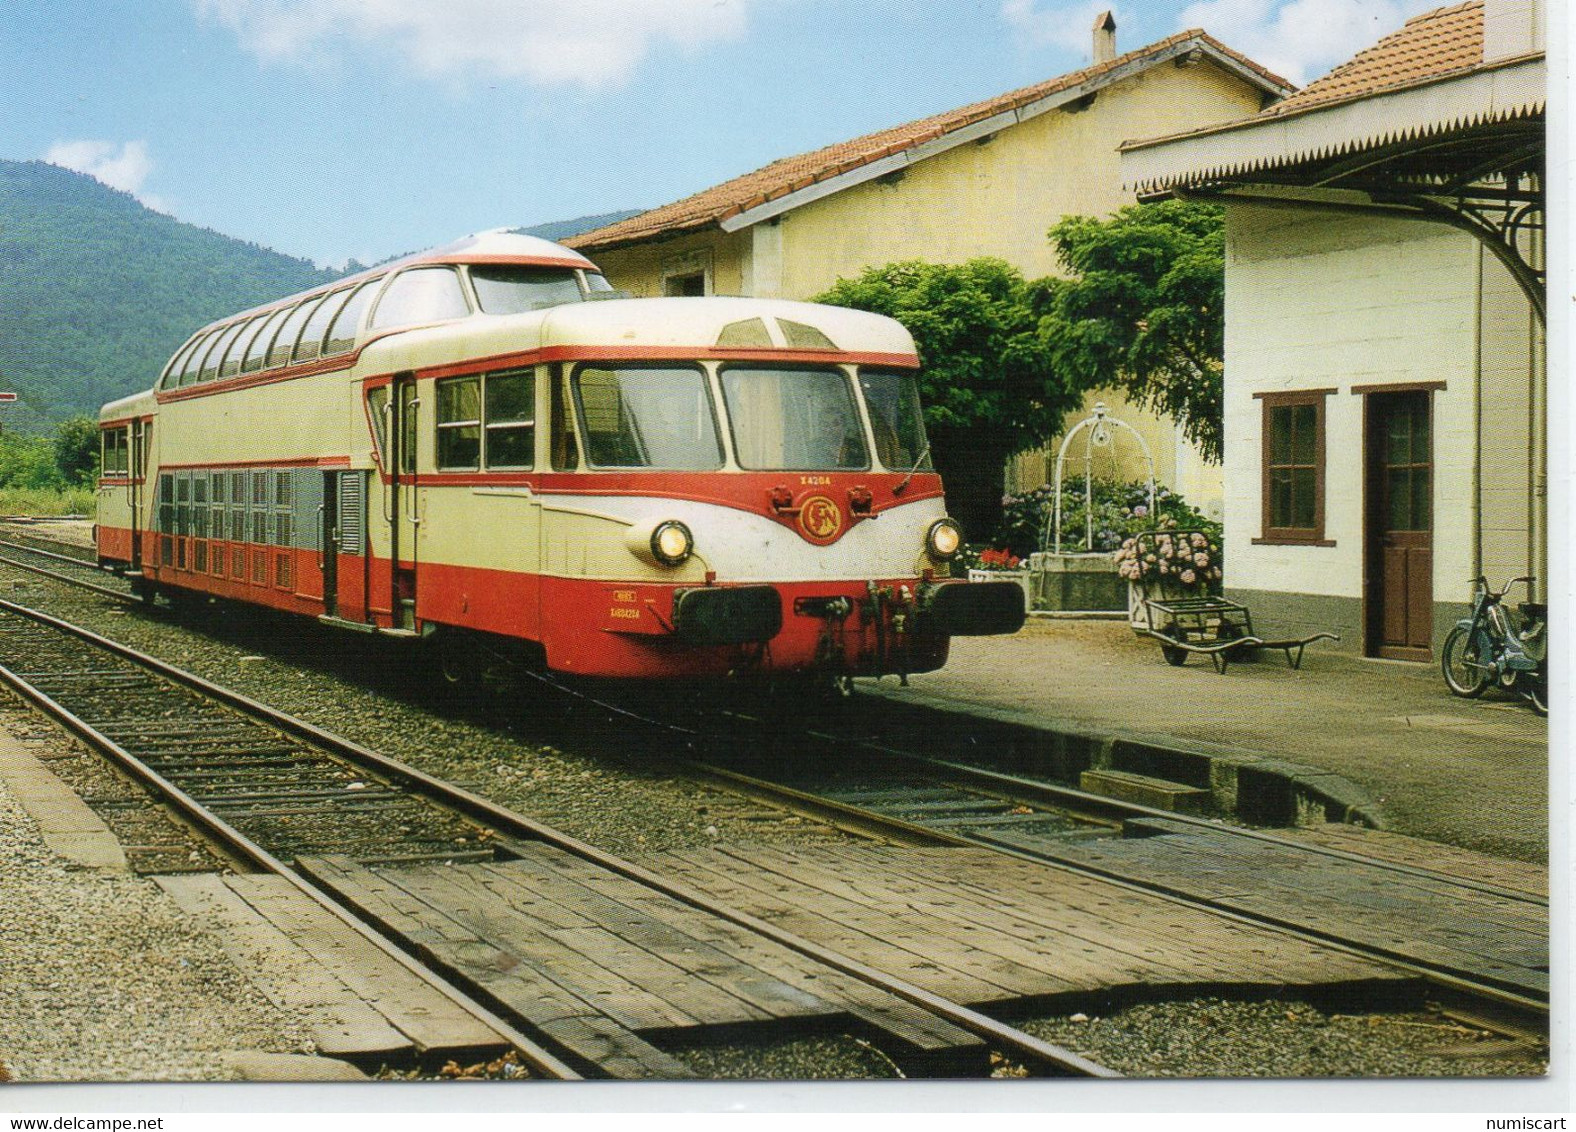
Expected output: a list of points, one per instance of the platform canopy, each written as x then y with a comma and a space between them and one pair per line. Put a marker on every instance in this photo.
1416, 126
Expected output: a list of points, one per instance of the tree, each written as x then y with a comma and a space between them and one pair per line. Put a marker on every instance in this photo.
987, 382
76, 447
1144, 310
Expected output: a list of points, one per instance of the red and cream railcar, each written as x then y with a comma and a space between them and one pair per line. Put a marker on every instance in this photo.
480, 443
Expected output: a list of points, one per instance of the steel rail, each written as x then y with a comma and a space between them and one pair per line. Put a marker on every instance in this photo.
1007, 1039
1019, 788
238, 845
73, 559
105, 591
1502, 993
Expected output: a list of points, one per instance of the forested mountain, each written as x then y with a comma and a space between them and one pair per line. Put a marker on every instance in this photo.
96, 291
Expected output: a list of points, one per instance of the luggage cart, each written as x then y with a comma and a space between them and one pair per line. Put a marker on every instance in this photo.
1215, 627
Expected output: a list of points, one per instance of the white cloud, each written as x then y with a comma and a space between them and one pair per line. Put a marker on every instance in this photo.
123, 167
1069, 26
574, 42
1301, 39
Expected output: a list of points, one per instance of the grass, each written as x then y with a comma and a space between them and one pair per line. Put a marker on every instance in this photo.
47, 501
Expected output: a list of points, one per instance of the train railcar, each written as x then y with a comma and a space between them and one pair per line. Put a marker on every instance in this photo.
483, 444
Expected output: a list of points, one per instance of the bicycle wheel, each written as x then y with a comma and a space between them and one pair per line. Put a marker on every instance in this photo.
1459, 662
1538, 691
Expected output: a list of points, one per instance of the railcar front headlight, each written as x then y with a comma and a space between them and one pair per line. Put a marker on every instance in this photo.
944, 540
671, 543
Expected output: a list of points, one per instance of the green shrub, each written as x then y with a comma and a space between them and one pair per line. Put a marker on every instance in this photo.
1121, 510
45, 501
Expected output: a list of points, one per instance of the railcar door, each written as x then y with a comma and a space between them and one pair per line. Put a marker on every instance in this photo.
405, 517
137, 472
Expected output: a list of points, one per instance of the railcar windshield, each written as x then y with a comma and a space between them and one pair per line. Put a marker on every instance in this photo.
897, 420
798, 419
647, 417
505, 289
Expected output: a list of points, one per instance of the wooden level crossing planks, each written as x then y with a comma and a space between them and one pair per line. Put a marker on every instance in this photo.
1478, 934
600, 962
357, 1001
583, 1030
922, 1038
1517, 876
980, 927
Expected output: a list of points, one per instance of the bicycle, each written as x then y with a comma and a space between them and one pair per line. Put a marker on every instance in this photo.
1485, 648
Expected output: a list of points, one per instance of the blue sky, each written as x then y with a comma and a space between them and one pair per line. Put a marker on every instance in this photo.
332, 129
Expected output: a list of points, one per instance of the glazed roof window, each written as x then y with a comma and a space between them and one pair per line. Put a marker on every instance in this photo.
210, 361
285, 340
257, 349
231, 365
421, 295
311, 343
342, 334
513, 289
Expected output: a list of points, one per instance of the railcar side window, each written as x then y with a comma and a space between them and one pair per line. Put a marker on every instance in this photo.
513, 289
284, 533
210, 363
284, 341
114, 461
897, 419
511, 419
423, 294
460, 424
342, 334
646, 417
377, 412
561, 435
257, 349
794, 419
311, 344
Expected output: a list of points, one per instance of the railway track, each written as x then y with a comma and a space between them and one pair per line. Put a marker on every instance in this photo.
369, 838
913, 798
77, 570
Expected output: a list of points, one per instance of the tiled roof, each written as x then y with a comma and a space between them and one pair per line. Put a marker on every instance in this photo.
1428, 46
790, 174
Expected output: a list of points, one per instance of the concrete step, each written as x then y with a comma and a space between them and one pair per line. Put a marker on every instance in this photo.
1146, 791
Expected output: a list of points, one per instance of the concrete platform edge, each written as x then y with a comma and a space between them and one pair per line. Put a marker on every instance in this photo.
1256, 787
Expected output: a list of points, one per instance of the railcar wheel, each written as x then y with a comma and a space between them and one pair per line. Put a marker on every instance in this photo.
1176, 657
1459, 662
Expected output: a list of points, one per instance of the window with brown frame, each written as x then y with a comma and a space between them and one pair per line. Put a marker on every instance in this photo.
1293, 468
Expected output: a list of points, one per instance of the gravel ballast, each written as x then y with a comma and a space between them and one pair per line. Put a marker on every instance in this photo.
103, 979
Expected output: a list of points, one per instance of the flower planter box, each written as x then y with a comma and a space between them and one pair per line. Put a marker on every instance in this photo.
1140, 592
1075, 582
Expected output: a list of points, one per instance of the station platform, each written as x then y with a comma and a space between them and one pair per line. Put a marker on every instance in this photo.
1471, 773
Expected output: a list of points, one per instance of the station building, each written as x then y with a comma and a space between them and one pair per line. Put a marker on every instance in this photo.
988, 179
1385, 390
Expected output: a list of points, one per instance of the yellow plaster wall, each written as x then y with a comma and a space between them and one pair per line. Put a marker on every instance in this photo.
995, 199
640, 269
1002, 197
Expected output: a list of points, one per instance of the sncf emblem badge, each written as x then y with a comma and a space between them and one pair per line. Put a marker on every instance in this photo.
820, 519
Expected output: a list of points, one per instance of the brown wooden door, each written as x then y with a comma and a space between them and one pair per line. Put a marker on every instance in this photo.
1399, 505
